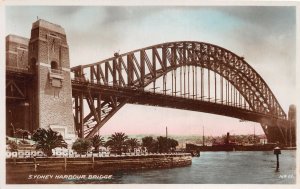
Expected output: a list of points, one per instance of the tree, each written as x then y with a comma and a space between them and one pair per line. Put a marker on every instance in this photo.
36, 134
97, 141
22, 133
172, 143
132, 143
166, 144
82, 145
150, 143
163, 146
117, 142
48, 140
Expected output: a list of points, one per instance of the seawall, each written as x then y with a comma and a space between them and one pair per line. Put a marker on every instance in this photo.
19, 169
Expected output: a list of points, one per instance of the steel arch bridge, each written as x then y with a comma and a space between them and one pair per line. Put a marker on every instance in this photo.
187, 75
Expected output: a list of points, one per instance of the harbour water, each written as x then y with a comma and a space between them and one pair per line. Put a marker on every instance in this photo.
222, 168
236, 167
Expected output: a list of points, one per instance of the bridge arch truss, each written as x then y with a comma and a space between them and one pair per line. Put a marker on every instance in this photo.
185, 71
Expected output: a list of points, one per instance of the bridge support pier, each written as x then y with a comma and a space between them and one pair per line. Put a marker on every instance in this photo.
276, 134
283, 132
291, 128
48, 55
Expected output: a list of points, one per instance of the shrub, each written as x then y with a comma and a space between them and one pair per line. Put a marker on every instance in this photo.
48, 140
150, 143
13, 146
22, 133
82, 145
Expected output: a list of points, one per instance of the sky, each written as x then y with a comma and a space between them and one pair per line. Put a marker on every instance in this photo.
264, 36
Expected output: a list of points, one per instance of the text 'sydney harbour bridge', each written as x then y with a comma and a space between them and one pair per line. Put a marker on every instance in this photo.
43, 91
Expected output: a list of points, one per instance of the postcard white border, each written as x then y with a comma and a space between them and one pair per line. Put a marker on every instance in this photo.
4, 3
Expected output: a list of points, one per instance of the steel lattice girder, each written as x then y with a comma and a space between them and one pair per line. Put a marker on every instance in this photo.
137, 69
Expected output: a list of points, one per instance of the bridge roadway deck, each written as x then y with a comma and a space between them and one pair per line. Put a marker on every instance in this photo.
138, 96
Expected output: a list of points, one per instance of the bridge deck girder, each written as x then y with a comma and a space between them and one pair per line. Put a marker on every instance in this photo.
157, 99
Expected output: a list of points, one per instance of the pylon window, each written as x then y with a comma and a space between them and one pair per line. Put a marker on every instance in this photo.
54, 65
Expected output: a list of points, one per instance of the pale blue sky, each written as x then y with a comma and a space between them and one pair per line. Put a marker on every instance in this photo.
265, 36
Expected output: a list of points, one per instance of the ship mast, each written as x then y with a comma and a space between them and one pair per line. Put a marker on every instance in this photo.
254, 135
166, 132
203, 136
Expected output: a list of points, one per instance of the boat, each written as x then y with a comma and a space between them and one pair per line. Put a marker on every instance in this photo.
227, 145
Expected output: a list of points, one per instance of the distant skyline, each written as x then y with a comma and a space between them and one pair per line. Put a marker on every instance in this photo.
265, 36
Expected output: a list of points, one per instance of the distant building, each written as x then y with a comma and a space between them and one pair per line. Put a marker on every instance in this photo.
263, 141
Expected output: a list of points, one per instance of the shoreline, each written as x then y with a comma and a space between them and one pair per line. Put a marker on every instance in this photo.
18, 170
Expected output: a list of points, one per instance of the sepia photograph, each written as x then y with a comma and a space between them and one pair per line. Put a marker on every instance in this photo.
150, 94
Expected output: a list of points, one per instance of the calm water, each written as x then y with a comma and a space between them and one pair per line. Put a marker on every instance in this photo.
222, 168
209, 168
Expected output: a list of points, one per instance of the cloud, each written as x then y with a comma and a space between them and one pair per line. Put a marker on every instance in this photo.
121, 14
266, 37
66, 10
277, 18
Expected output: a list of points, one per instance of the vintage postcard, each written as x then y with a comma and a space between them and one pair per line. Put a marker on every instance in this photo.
118, 93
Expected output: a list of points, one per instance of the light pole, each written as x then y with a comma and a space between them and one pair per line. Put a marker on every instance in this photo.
277, 151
